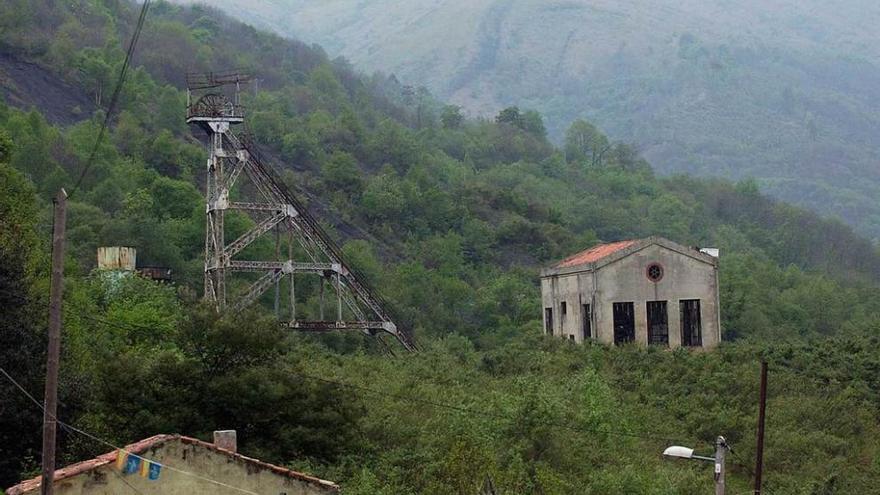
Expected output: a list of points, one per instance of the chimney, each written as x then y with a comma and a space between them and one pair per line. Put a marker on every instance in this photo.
225, 439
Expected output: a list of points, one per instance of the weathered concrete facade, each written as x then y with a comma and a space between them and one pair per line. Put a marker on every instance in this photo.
643, 290
189, 466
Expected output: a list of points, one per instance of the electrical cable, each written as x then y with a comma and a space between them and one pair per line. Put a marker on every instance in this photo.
668, 439
441, 405
122, 479
86, 434
114, 99
742, 464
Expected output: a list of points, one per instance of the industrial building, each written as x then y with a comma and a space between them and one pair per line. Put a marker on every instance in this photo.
651, 291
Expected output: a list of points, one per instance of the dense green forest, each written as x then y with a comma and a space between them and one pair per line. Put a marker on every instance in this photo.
784, 91
450, 219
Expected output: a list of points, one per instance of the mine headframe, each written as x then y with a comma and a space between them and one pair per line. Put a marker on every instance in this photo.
213, 104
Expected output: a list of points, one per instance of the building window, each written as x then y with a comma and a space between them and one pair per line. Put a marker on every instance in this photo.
624, 322
587, 323
563, 310
654, 272
571, 338
691, 323
548, 320
658, 323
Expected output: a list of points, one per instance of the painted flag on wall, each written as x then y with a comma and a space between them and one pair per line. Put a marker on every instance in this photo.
154, 471
150, 469
120, 459
132, 464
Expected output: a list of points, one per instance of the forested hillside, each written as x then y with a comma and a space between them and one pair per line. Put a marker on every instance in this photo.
781, 90
450, 218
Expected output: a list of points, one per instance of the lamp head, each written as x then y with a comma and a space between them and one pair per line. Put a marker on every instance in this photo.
678, 451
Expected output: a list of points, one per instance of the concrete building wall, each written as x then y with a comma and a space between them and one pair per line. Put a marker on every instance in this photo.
203, 462
626, 280
575, 290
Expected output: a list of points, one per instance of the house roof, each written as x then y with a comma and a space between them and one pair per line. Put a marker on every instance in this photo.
155, 441
603, 254
594, 254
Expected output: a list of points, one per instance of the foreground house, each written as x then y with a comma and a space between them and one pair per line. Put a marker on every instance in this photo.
651, 291
178, 465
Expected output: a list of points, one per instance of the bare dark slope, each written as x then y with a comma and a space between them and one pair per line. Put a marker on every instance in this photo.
26, 85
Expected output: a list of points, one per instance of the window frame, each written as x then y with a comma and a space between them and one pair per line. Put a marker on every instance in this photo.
630, 336
656, 308
659, 267
586, 321
548, 320
688, 309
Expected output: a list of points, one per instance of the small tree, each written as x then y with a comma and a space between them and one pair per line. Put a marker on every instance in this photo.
586, 144
533, 123
451, 118
510, 116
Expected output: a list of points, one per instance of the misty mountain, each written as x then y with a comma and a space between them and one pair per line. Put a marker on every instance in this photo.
785, 91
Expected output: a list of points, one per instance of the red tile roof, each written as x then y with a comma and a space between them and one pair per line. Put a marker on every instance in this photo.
154, 441
594, 254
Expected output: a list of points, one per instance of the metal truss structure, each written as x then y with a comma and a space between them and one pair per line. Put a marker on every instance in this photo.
233, 157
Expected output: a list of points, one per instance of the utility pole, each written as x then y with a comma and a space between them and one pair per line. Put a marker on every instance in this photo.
720, 452
54, 351
762, 407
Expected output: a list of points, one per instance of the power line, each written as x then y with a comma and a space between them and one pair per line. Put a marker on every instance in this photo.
441, 405
86, 434
114, 99
667, 439
644, 436
751, 473
122, 479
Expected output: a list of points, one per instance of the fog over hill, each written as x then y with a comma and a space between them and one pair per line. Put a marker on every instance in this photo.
785, 91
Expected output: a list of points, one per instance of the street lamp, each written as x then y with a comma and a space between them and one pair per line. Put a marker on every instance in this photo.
721, 449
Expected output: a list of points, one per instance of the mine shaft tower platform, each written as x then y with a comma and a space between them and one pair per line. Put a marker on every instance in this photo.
213, 104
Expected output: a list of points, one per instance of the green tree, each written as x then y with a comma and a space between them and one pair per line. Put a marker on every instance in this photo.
584, 143
533, 123
21, 342
340, 172
96, 72
451, 117
510, 116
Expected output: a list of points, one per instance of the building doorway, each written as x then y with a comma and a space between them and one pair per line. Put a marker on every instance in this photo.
548, 320
587, 322
658, 323
691, 323
624, 322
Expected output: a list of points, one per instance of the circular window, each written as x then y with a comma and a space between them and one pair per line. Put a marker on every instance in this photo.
655, 272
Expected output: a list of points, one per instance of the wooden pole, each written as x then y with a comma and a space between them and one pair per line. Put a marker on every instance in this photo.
759, 452
54, 351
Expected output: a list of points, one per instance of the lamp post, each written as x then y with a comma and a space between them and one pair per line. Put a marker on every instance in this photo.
721, 449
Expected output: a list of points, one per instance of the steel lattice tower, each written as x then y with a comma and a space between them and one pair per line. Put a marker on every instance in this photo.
273, 208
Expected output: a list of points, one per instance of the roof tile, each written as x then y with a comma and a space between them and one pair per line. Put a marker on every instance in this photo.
595, 253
